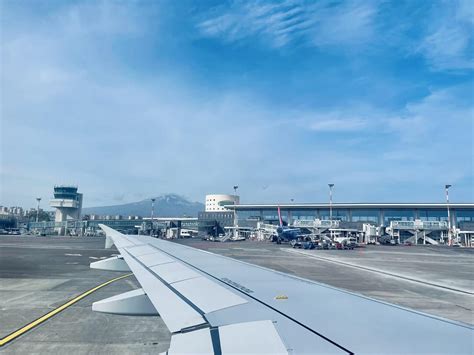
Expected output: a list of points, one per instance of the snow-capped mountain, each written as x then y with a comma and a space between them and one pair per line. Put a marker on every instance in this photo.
167, 205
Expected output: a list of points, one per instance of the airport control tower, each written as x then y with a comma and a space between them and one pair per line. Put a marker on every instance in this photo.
68, 204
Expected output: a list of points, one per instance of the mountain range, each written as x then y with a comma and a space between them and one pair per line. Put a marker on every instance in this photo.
168, 205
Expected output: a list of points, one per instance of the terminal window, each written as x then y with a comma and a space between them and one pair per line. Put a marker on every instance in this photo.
398, 215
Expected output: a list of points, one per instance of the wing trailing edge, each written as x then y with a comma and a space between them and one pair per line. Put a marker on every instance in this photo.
259, 337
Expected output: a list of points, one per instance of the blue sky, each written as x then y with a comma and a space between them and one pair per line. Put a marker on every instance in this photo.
138, 98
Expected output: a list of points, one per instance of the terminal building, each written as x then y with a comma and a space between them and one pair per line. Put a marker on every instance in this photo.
223, 216
376, 213
367, 221
217, 218
7, 221
218, 202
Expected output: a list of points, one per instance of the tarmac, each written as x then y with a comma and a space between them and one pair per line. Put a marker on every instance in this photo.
38, 274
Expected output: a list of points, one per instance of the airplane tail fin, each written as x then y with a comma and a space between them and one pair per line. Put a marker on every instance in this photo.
279, 217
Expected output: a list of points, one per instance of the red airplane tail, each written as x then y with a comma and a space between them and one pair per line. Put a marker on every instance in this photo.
279, 217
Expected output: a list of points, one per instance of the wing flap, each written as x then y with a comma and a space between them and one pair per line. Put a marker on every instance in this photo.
155, 258
196, 342
174, 272
175, 312
258, 337
207, 295
139, 250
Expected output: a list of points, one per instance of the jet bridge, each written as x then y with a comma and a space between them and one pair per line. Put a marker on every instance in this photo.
317, 226
418, 231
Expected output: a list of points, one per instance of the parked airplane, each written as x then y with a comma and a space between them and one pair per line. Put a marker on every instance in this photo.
217, 305
285, 233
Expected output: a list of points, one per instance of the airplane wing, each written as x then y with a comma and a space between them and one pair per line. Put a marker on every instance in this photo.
217, 305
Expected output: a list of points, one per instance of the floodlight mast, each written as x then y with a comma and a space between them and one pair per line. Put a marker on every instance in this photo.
38, 208
446, 187
235, 210
152, 213
330, 200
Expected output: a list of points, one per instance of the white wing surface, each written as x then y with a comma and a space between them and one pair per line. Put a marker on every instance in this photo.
216, 305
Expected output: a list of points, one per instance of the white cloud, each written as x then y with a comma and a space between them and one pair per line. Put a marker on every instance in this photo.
445, 117
339, 125
66, 117
446, 33
113, 135
426, 144
449, 41
279, 23
102, 17
130, 137
447, 48
352, 22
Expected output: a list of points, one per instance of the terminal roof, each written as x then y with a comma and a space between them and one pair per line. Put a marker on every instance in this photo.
348, 205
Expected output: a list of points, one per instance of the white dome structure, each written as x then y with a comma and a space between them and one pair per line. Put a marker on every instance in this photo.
216, 202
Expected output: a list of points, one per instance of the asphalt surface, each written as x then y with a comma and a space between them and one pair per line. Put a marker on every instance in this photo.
38, 274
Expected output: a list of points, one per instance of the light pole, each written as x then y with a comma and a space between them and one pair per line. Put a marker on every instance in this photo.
38, 208
446, 187
235, 211
330, 201
152, 213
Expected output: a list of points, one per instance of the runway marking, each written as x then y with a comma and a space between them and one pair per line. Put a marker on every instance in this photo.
250, 249
46, 246
73, 254
35, 323
343, 263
